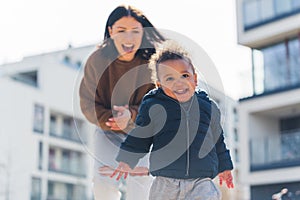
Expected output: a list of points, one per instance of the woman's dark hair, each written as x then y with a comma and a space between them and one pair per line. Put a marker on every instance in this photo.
150, 36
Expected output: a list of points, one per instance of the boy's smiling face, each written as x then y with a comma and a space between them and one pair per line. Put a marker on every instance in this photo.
177, 79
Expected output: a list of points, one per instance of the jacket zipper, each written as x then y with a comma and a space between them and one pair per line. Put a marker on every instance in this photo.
187, 116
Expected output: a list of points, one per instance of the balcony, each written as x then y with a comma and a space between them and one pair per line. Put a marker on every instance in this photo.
66, 162
66, 129
65, 191
275, 151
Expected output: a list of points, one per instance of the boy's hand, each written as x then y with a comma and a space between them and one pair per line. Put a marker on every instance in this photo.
139, 171
122, 169
227, 177
106, 171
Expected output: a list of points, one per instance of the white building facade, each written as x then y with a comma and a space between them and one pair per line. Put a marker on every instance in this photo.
44, 143
270, 118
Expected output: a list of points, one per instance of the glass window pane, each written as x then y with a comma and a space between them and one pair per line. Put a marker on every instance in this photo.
38, 119
29, 78
40, 155
274, 67
294, 61
258, 62
295, 4
251, 12
36, 189
283, 6
53, 125
66, 191
267, 9
68, 127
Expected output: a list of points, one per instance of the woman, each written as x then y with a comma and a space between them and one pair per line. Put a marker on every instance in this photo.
115, 80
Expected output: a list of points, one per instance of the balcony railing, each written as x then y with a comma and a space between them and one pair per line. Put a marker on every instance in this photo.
68, 133
78, 170
65, 191
275, 151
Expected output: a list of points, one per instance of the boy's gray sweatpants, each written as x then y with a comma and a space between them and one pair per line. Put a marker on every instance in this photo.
184, 189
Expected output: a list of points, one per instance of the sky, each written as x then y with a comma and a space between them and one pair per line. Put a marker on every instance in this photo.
39, 26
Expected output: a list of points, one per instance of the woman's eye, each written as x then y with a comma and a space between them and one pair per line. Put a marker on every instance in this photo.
136, 32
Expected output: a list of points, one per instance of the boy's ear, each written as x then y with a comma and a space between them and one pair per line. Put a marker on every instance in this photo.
195, 79
158, 84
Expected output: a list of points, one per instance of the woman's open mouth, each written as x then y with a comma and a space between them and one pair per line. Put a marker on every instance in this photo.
128, 48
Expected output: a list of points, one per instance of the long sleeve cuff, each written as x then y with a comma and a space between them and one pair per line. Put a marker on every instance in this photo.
225, 162
129, 157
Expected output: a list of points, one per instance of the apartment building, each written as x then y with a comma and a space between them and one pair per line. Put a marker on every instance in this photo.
270, 117
44, 145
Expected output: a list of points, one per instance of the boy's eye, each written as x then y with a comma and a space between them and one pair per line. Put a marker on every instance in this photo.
185, 75
169, 79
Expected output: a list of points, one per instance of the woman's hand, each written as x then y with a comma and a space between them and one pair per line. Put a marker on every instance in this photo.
227, 178
120, 121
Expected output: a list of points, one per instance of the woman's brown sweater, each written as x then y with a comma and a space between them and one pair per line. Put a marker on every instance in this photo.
108, 82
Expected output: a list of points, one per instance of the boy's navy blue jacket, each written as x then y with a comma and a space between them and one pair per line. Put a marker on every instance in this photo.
186, 140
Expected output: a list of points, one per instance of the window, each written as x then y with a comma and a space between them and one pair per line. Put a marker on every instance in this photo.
67, 59
53, 125
282, 7
259, 12
275, 59
267, 11
66, 127
251, 12
78, 64
38, 119
66, 191
70, 62
67, 161
236, 155
235, 114
291, 124
36, 189
294, 60
29, 78
295, 4
235, 134
52, 162
266, 191
277, 67
40, 156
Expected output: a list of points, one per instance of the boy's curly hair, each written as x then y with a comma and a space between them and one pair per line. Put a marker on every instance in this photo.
168, 50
